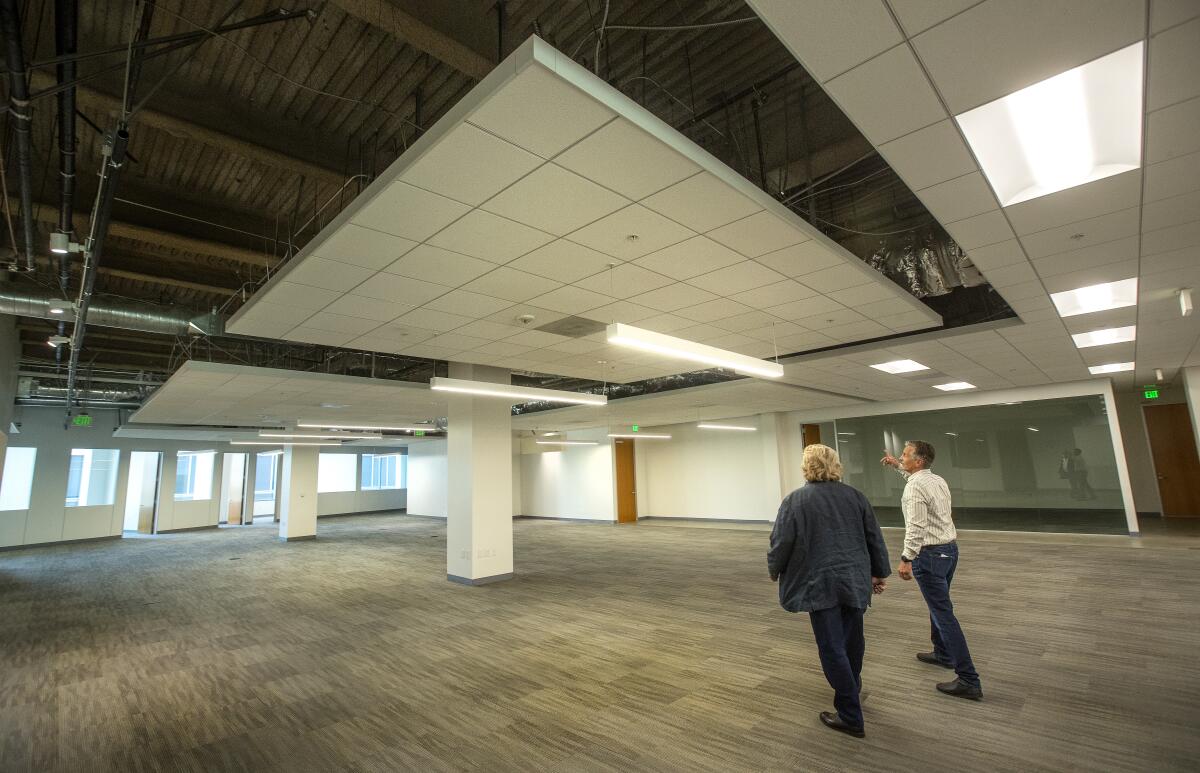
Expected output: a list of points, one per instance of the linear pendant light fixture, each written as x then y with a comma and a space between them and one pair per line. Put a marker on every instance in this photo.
639, 436
516, 394
567, 442
366, 428
320, 436
731, 427
278, 443
649, 341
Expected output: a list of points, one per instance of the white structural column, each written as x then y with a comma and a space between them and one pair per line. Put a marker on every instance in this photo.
297, 494
1191, 385
479, 544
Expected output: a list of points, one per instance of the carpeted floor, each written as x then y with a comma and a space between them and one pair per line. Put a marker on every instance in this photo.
614, 648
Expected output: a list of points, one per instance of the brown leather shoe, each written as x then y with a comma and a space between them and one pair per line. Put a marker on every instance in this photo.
834, 721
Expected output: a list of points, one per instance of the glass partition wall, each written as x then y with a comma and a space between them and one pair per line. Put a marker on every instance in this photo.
1044, 465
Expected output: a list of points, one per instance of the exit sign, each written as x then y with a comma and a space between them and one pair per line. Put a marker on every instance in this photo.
82, 420
420, 433
633, 428
1151, 394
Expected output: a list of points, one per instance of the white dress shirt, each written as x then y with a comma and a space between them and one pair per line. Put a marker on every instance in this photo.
928, 518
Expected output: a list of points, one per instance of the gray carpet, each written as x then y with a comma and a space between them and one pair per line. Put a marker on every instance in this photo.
615, 648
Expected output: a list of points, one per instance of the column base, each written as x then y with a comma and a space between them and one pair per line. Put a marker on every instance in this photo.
479, 580
298, 539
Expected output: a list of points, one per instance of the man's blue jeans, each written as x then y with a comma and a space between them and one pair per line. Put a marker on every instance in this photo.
933, 569
840, 643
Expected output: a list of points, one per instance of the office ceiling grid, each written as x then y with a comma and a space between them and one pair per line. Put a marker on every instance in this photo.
546, 193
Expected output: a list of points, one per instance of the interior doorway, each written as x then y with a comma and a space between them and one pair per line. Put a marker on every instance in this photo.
810, 434
141, 495
1176, 465
233, 490
266, 483
626, 482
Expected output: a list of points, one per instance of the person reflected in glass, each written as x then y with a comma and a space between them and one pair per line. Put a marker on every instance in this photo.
828, 556
1080, 488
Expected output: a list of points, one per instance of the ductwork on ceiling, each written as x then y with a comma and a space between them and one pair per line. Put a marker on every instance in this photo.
105, 313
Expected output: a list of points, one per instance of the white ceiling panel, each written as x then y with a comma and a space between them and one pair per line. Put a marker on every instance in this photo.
1176, 210
1083, 233
311, 335
999, 254
1174, 62
1168, 13
830, 38
1171, 178
457, 238
701, 202
888, 96
1112, 194
835, 278
409, 212
470, 165
980, 230
489, 237
916, 16
1171, 132
959, 198
555, 200
929, 156
649, 165
1001, 46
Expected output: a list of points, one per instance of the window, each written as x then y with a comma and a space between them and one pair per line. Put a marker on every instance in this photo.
194, 475
335, 472
92, 476
18, 478
264, 476
384, 471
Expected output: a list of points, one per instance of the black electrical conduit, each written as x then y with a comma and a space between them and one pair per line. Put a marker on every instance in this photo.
66, 17
19, 107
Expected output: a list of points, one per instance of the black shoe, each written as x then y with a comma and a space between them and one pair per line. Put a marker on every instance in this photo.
932, 659
834, 721
960, 689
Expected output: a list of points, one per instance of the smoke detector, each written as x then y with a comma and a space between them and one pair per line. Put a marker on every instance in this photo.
525, 319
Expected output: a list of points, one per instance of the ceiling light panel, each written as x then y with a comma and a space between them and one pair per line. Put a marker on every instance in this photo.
1081, 125
681, 348
638, 436
729, 427
1112, 335
515, 394
1098, 297
954, 386
1112, 367
900, 366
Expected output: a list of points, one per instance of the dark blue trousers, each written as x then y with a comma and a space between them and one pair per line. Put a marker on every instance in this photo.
840, 642
933, 569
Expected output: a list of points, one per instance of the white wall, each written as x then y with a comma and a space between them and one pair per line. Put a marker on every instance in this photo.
427, 479
358, 501
568, 481
10, 350
1191, 386
1142, 477
710, 473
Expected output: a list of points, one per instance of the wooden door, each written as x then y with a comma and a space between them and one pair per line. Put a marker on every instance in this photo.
810, 433
1173, 446
626, 482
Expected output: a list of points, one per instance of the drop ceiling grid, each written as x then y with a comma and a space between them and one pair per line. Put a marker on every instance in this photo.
221, 394
323, 297
1027, 251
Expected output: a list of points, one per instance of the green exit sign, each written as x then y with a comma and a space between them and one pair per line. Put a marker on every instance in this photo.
82, 420
420, 433
633, 428
1151, 394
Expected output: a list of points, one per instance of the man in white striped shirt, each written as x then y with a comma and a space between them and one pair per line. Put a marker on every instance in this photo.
930, 555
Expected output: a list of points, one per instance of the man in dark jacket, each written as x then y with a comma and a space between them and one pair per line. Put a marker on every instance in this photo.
828, 555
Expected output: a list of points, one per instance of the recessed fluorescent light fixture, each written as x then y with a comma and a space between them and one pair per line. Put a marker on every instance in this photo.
319, 436
851, 434
1112, 367
567, 442
1101, 297
1185, 302
732, 427
1033, 429
515, 394
680, 348
951, 434
362, 427
1112, 335
639, 436
277, 443
900, 366
954, 386
1079, 126
551, 434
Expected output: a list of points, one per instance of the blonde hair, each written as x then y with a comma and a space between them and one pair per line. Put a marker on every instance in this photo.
821, 463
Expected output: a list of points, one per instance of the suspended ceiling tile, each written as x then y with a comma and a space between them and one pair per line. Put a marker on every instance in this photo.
1174, 64
302, 296
773, 294
1083, 233
323, 337
991, 50
649, 165
1171, 178
695, 256
630, 233
431, 319
412, 213
858, 296
563, 261
511, 284
1176, 210
571, 299
980, 230
541, 112
999, 254
328, 274
624, 281
1095, 255
747, 321
800, 259
739, 277
1101, 197
555, 200
395, 288
1171, 132
340, 323
468, 304
1168, 13
674, 297
363, 247
929, 156
916, 16
713, 310
758, 234
439, 266
830, 38
266, 312
1169, 239
959, 198
368, 308
470, 165
835, 278
702, 202
489, 237
888, 96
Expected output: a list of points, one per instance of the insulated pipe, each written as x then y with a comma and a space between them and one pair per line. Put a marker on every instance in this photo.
105, 314
66, 14
20, 110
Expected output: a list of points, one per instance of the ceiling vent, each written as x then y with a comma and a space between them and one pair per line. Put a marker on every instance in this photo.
573, 327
